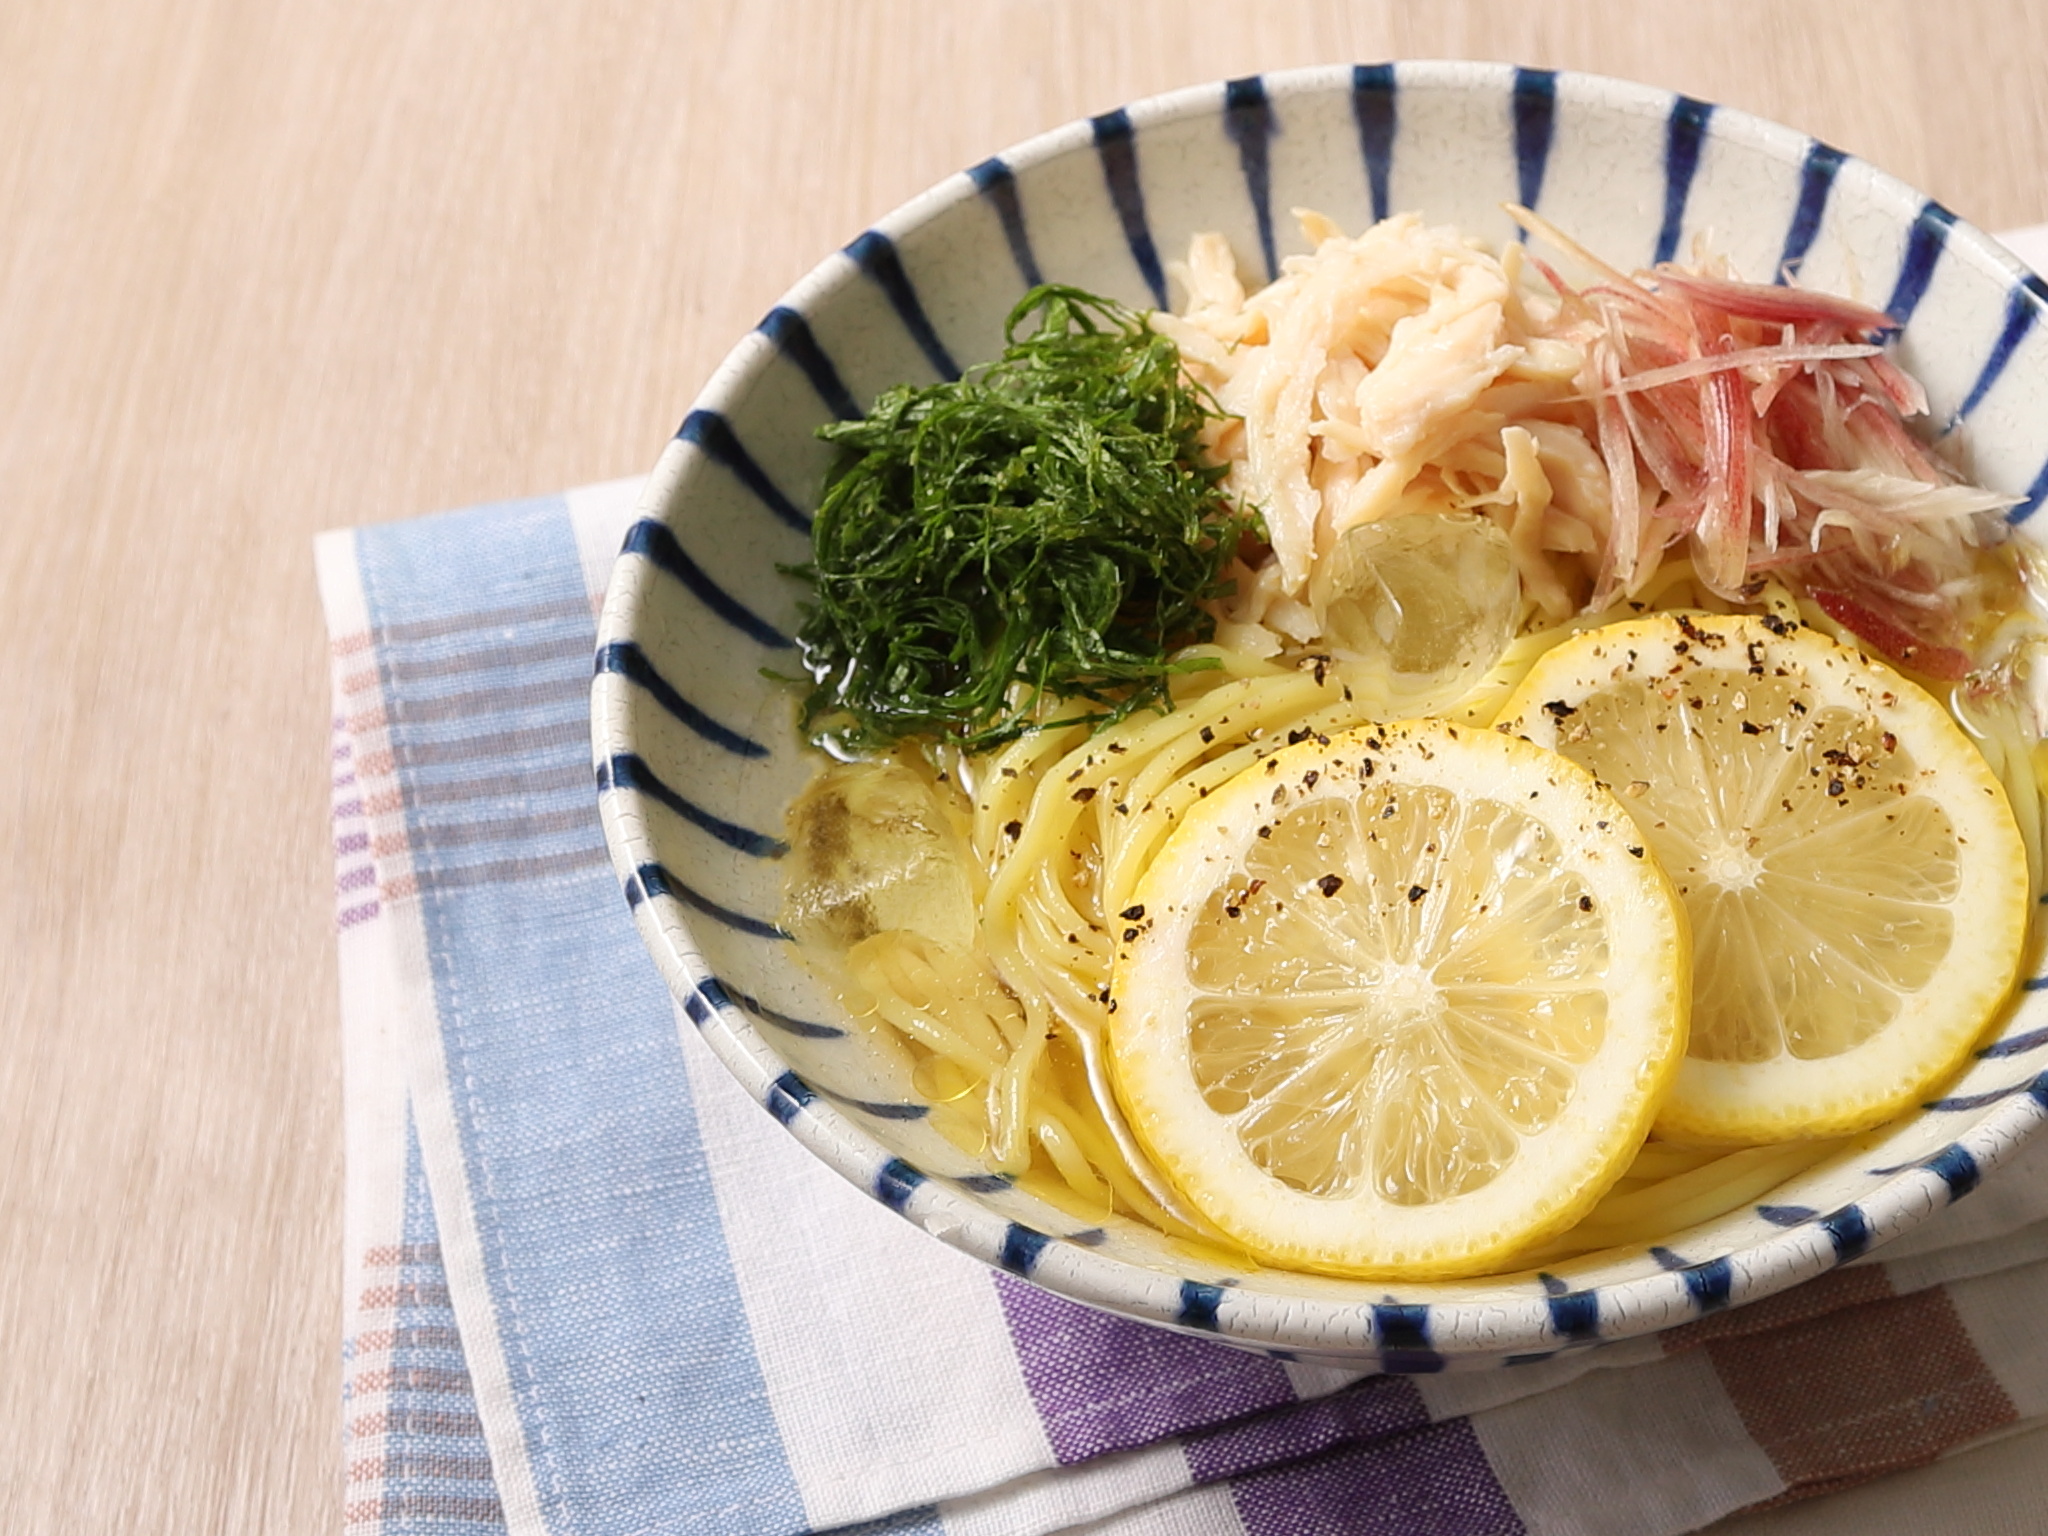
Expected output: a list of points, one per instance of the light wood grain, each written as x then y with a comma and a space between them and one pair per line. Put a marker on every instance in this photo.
269, 268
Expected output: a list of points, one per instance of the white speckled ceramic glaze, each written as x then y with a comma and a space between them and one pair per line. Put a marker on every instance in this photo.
697, 754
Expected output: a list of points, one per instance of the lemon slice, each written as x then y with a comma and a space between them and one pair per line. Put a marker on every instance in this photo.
1855, 882
1399, 1001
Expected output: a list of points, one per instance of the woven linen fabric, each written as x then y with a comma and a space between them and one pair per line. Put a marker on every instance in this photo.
592, 1288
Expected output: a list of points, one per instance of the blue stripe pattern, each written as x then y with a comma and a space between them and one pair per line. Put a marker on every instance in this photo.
1924, 246
2021, 308
652, 540
1021, 1247
1849, 1230
1249, 121
2031, 502
699, 1008
1116, 147
1968, 1101
1373, 108
875, 254
998, 184
895, 1183
1198, 1304
1535, 109
1709, 1284
652, 879
1576, 1315
792, 336
1787, 1215
1683, 136
1816, 180
629, 771
537, 1113
803, 1029
624, 658
787, 1096
1402, 1329
880, 1109
1954, 1166
713, 434
2016, 1045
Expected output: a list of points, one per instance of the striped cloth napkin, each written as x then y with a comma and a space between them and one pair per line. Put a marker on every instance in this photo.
591, 1288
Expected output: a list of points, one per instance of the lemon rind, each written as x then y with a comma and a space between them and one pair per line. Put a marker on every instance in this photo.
1584, 1151
1717, 1103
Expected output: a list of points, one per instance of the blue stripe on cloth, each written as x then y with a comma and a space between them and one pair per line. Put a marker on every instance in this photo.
437, 1465
638, 1391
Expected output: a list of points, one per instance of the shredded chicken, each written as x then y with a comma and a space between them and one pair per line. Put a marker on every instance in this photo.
1754, 429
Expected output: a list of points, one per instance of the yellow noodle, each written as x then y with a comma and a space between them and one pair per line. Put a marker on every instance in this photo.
1648, 1211
1050, 1129
1663, 1159
941, 1080
1063, 824
1010, 1103
1097, 1146
2000, 732
895, 970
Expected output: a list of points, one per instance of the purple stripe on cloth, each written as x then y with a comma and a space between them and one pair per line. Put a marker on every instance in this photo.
361, 875
1103, 1383
354, 915
1372, 1410
1429, 1482
352, 842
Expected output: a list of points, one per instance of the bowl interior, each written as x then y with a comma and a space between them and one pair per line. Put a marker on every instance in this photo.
696, 745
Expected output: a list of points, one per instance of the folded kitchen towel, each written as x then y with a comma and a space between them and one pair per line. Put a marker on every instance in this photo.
592, 1288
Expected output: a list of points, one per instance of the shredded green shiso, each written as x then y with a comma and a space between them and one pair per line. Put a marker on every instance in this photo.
1044, 528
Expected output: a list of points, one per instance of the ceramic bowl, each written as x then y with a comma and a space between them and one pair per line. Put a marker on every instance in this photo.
696, 749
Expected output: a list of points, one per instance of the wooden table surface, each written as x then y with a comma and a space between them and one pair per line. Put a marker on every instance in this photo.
267, 268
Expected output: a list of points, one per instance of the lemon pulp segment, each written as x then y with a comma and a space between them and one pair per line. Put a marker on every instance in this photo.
1400, 1001
1855, 882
